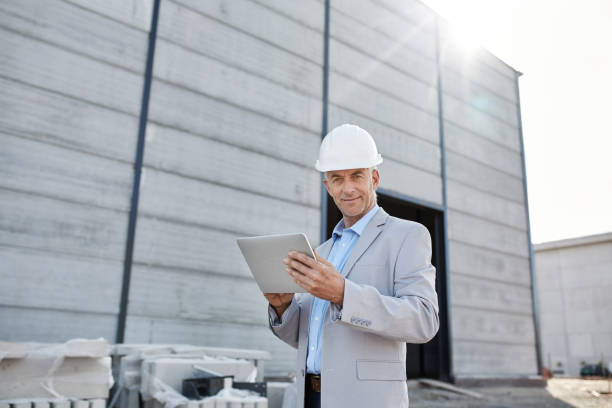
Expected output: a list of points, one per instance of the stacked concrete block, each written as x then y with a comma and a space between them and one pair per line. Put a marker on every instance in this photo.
172, 371
53, 403
278, 392
156, 373
76, 369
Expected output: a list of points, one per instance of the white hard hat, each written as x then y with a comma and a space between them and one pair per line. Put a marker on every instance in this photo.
347, 147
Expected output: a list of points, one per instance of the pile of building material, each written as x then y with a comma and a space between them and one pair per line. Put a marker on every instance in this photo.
155, 374
75, 374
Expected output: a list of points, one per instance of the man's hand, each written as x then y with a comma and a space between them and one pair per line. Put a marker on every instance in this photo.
320, 278
279, 301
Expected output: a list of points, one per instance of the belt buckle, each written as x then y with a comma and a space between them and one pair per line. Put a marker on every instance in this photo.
315, 383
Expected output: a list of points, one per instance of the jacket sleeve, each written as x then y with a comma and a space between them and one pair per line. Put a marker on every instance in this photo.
411, 314
287, 327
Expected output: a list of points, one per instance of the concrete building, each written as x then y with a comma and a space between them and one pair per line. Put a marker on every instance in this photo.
574, 281
139, 138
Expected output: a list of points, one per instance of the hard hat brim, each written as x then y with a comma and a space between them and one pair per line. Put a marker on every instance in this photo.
349, 165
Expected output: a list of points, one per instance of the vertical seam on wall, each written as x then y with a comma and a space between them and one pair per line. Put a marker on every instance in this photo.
534, 294
444, 204
131, 232
323, 230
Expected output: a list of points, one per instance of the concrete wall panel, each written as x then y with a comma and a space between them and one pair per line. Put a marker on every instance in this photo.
493, 208
233, 46
382, 77
574, 257
33, 166
397, 54
310, 13
179, 66
483, 294
477, 359
221, 163
45, 280
78, 29
355, 97
480, 123
54, 326
61, 226
278, 30
414, 35
477, 65
197, 203
26, 60
488, 264
171, 294
34, 113
487, 234
197, 114
410, 181
484, 178
479, 97
166, 244
598, 275
482, 150
136, 13
412, 11
495, 327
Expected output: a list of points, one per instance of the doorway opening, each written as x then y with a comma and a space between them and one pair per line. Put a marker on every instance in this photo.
430, 360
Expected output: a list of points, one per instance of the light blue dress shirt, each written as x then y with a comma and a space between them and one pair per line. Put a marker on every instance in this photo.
344, 239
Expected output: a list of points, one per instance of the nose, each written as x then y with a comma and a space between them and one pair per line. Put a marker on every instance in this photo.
348, 189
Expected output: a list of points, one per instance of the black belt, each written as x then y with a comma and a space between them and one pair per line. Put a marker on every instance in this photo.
313, 382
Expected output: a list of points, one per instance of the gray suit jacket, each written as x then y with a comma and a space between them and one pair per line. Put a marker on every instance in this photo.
389, 300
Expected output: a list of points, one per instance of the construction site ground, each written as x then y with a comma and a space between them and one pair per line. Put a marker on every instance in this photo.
558, 393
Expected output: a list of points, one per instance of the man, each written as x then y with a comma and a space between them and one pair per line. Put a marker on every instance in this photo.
370, 291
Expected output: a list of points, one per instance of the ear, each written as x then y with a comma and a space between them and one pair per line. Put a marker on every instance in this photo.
326, 182
375, 179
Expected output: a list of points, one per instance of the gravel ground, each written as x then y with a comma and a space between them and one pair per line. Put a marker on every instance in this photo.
559, 393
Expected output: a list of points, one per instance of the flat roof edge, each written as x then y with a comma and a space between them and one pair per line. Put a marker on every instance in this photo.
572, 242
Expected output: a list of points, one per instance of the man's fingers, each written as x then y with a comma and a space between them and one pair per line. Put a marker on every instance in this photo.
300, 279
299, 267
306, 260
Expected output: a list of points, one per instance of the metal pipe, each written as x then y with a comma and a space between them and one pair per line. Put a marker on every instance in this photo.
444, 202
323, 230
131, 232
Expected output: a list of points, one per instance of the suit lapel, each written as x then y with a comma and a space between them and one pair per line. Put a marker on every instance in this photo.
325, 248
372, 230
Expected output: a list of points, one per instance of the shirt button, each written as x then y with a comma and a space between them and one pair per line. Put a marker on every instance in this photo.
312, 348
317, 318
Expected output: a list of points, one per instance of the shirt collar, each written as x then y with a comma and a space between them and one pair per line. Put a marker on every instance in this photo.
358, 227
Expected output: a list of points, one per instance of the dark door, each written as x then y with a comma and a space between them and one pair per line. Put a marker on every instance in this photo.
430, 360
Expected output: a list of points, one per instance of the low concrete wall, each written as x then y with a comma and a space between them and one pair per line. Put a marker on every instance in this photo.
574, 279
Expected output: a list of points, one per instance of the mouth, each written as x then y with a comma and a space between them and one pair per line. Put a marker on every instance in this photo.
350, 200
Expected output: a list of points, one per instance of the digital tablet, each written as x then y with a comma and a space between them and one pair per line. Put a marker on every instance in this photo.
265, 254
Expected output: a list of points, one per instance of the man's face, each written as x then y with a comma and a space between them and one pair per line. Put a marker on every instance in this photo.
352, 190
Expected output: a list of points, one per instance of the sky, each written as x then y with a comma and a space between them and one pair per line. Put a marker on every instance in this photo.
564, 50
